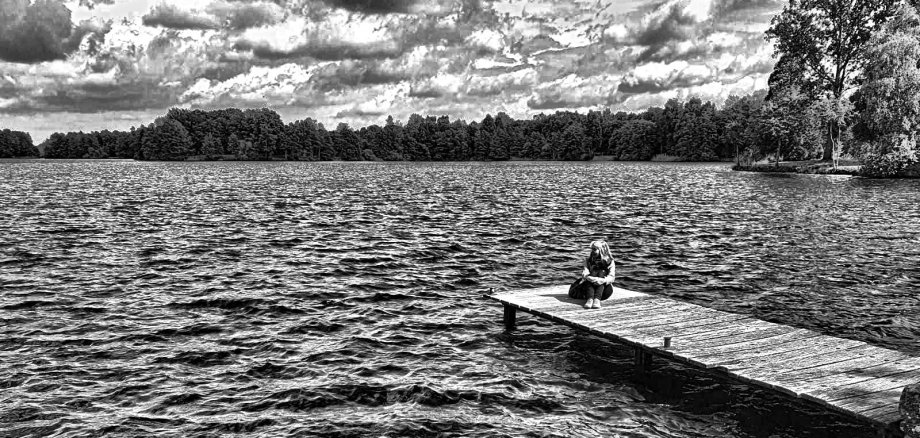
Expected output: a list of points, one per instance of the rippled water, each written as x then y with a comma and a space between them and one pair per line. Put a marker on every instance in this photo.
345, 299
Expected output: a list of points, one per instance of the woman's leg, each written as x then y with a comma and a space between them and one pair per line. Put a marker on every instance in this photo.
596, 292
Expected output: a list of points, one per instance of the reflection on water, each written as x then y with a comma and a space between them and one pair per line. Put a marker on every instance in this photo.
344, 299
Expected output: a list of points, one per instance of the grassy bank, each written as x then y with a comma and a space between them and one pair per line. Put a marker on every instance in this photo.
844, 167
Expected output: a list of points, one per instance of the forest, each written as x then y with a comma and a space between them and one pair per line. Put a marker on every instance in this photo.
16, 144
846, 83
690, 130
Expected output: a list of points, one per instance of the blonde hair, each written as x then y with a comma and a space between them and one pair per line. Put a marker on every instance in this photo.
600, 251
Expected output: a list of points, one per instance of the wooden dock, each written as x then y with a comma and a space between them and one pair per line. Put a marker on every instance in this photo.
848, 376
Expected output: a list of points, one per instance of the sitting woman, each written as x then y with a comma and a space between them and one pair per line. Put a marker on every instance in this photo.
598, 274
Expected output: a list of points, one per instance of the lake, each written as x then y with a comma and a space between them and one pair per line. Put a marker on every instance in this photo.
345, 299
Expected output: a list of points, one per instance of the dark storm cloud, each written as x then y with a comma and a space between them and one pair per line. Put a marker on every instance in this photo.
33, 33
373, 6
92, 98
351, 74
245, 16
164, 15
675, 25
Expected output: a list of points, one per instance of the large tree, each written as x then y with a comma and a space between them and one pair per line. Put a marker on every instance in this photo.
827, 40
890, 95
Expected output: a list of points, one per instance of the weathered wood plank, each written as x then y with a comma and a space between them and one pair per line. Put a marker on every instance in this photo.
837, 394
652, 313
885, 414
693, 347
869, 400
808, 379
761, 347
804, 381
846, 375
790, 351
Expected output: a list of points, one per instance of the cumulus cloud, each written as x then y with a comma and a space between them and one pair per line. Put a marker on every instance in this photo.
715, 91
172, 16
654, 77
341, 35
574, 92
217, 14
262, 85
356, 60
33, 32
486, 40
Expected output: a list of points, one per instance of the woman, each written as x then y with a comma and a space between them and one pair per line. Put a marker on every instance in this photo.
598, 273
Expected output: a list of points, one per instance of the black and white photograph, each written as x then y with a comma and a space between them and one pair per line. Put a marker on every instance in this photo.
460, 218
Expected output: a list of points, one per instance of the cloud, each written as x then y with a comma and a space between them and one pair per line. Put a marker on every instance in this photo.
655, 76
356, 60
714, 91
486, 40
33, 33
247, 15
373, 6
574, 92
340, 35
216, 15
286, 84
174, 17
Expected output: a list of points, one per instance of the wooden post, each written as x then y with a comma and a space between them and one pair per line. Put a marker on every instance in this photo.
643, 359
510, 314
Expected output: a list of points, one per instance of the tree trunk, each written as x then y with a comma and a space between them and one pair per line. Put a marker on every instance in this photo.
833, 136
777, 152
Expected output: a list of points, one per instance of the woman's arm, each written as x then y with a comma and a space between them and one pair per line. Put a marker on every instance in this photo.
612, 275
586, 274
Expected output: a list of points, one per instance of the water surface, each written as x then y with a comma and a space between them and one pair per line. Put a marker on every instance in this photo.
344, 299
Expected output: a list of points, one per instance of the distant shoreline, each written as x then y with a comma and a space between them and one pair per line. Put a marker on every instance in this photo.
811, 167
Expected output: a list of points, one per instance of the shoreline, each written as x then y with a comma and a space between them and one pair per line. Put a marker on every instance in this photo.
820, 168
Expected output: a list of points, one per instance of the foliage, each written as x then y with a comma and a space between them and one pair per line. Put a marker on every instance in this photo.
16, 144
167, 140
822, 46
688, 130
890, 95
889, 98
890, 156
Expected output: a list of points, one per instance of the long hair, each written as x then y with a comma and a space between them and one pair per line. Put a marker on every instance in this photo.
600, 253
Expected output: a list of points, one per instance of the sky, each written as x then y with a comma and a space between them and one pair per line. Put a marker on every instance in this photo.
110, 64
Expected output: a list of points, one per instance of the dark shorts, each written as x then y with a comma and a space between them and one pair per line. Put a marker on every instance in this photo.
580, 288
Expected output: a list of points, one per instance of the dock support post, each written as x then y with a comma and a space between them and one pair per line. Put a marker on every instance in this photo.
510, 314
643, 359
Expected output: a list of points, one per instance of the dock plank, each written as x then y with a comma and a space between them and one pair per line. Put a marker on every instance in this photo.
846, 375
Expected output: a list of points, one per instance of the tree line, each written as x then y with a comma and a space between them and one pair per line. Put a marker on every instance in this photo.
690, 130
15, 144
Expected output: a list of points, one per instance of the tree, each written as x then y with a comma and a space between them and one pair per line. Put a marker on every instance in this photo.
574, 143
890, 94
210, 147
740, 116
633, 140
167, 140
827, 40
